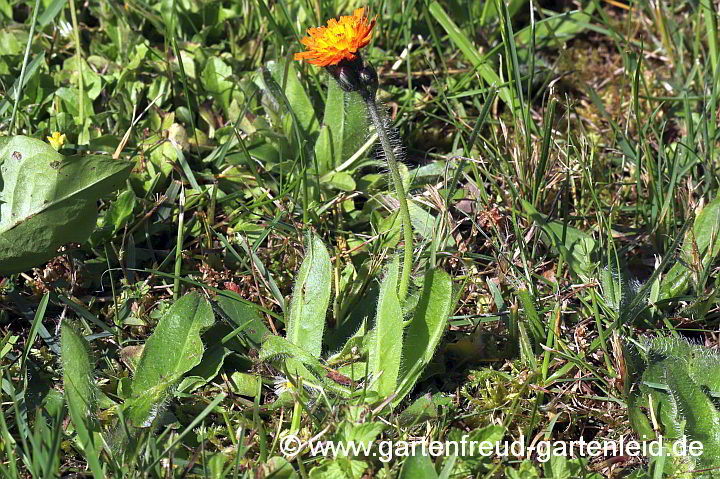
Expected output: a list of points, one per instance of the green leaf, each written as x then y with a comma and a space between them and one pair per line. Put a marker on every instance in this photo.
558, 29
217, 79
208, 368
346, 123
173, 349
77, 371
557, 467
120, 210
424, 223
418, 465
324, 149
80, 391
387, 336
525, 470
342, 181
51, 12
706, 236
573, 245
30, 71
360, 433
296, 95
311, 297
424, 408
537, 329
47, 200
339, 468
297, 362
245, 384
697, 408
276, 347
69, 98
678, 383
241, 314
276, 468
426, 328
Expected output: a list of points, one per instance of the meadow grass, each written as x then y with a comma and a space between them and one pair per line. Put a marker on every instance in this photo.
554, 159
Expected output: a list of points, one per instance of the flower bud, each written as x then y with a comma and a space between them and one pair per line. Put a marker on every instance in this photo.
355, 75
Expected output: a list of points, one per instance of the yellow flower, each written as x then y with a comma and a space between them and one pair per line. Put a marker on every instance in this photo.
340, 40
56, 140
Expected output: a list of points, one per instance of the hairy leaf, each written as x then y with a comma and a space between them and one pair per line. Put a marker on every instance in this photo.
77, 371
387, 336
701, 245
173, 349
345, 125
426, 328
311, 297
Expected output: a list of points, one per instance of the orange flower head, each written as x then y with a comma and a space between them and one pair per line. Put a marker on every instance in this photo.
340, 40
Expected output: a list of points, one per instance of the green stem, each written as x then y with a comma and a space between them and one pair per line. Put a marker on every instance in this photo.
21, 80
399, 192
179, 246
78, 59
297, 413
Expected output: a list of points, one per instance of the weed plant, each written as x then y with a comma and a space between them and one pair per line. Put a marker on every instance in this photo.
210, 251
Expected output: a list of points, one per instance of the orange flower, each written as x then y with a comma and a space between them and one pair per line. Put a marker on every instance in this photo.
338, 41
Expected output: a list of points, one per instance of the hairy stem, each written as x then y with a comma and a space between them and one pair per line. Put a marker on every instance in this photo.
399, 191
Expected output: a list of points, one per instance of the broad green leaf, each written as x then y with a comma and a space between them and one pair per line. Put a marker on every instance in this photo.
241, 314
324, 149
557, 466
48, 200
426, 328
418, 465
342, 181
345, 120
69, 98
364, 433
677, 383
277, 468
245, 384
80, 391
298, 363
339, 468
49, 14
30, 71
172, 350
120, 211
6, 9
276, 347
387, 337
706, 236
537, 329
296, 94
555, 31
525, 470
424, 408
614, 287
217, 79
93, 83
311, 297
573, 245
525, 346
697, 408
489, 10
208, 368
77, 371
